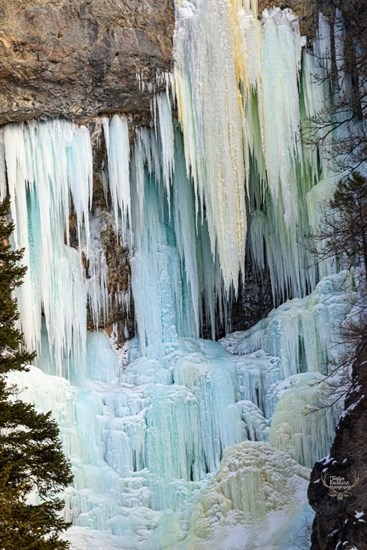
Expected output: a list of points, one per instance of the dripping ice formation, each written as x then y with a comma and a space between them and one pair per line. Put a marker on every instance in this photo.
242, 121
145, 442
45, 162
173, 428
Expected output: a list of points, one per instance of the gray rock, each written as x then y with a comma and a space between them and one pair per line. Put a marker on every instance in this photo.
79, 58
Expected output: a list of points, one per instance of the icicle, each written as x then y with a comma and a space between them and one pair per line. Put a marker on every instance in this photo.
155, 264
258, 236
172, 262
97, 283
345, 85
213, 384
281, 55
210, 116
117, 144
80, 178
41, 172
163, 123
242, 129
322, 44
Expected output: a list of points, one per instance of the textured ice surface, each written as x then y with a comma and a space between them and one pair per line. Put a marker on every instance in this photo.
146, 442
46, 162
140, 453
249, 500
243, 107
304, 419
168, 439
303, 333
294, 346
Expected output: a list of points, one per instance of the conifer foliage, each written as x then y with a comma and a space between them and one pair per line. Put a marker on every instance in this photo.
33, 469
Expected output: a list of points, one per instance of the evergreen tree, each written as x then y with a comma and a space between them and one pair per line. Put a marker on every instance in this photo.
32, 463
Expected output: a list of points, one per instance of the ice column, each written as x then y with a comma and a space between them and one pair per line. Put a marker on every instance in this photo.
116, 136
211, 118
241, 105
48, 163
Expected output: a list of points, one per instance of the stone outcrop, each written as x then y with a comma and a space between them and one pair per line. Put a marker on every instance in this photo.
80, 58
342, 522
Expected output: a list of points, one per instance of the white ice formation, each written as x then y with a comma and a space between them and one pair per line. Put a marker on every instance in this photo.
254, 481
186, 445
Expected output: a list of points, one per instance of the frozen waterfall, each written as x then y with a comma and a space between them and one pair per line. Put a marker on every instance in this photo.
176, 441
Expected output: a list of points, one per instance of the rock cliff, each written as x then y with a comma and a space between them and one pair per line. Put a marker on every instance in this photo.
80, 58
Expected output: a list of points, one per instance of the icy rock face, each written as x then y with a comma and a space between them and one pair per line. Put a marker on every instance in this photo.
150, 423
303, 333
146, 440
